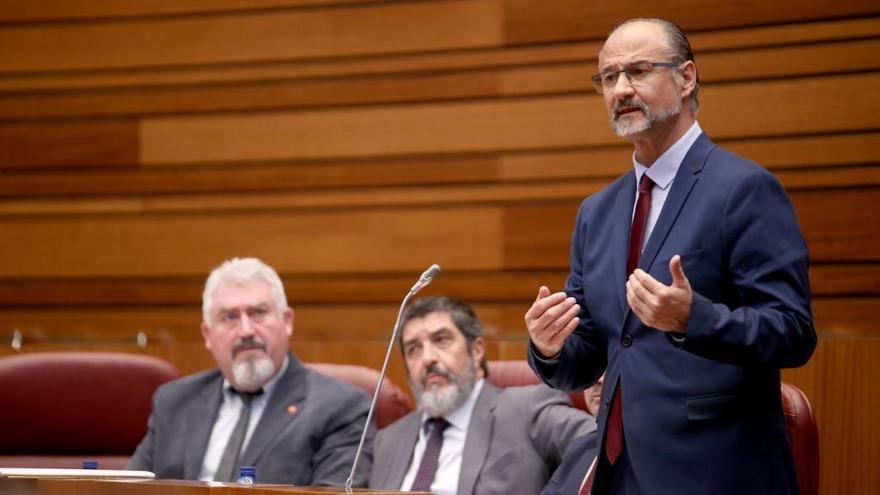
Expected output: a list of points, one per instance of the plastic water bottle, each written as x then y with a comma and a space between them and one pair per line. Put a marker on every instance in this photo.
247, 475
90, 464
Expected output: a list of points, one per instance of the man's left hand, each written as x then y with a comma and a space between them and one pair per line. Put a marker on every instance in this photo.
664, 307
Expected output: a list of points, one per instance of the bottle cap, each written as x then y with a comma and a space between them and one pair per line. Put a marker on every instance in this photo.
89, 464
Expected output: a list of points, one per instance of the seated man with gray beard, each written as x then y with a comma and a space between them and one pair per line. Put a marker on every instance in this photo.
261, 407
468, 437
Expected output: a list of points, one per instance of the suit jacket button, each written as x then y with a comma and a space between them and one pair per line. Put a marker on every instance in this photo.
627, 340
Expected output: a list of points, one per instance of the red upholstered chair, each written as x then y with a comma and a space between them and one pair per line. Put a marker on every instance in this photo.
799, 419
804, 435
60, 408
392, 403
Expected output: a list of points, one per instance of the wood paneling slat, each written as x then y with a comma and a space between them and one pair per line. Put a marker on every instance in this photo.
766, 108
72, 9
63, 144
529, 22
815, 158
276, 35
320, 241
434, 128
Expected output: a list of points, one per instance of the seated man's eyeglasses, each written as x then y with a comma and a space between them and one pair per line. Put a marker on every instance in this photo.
635, 74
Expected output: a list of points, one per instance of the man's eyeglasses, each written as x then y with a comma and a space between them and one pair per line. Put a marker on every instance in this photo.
635, 74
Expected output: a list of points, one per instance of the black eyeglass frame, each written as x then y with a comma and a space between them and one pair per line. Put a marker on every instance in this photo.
597, 78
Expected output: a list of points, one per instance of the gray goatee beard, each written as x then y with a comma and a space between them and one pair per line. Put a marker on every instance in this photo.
438, 401
626, 127
253, 373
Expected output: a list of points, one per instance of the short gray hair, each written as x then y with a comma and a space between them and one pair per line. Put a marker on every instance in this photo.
679, 46
462, 315
241, 270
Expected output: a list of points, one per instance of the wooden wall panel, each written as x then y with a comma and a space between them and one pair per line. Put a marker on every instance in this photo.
430, 128
273, 35
13, 11
530, 22
770, 108
68, 144
312, 242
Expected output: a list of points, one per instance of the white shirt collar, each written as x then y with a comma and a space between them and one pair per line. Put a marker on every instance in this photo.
664, 169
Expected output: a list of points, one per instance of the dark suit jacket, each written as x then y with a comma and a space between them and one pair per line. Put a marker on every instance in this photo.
314, 445
515, 439
570, 474
703, 416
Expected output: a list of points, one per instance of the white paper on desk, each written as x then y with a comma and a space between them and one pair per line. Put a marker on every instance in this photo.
73, 473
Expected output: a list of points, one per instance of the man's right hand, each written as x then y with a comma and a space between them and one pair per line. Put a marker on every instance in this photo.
550, 320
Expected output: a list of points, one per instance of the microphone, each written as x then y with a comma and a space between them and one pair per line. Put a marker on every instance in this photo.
426, 278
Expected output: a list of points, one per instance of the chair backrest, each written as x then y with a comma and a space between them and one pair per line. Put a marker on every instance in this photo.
799, 419
804, 435
62, 407
392, 403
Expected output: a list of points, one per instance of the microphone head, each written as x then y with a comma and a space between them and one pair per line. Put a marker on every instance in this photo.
426, 278
431, 272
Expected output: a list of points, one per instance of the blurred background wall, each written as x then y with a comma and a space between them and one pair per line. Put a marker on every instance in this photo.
352, 143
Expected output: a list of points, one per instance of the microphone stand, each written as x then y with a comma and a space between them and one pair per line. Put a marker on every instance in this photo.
424, 280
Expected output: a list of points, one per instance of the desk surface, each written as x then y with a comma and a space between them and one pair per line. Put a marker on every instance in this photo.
63, 486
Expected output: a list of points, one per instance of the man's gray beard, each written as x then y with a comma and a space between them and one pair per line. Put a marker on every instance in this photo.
628, 128
253, 373
440, 401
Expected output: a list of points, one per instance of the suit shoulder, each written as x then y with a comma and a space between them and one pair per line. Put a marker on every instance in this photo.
730, 165
396, 428
188, 384
531, 398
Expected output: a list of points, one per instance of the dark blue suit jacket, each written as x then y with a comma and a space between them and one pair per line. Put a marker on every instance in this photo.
703, 416
570, 474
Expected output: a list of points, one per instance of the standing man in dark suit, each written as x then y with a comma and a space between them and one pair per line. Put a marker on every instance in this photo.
690, 288
261, 407
468, 437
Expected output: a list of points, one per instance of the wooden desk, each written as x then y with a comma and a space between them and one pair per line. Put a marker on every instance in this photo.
66, 486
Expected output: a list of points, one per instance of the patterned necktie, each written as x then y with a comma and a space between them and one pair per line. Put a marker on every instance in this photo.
428, 466
229, 461
614, 432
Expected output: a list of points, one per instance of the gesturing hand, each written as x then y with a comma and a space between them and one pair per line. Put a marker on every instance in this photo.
550, 320
664, 307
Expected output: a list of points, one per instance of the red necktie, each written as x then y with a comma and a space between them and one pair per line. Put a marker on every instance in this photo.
614, 432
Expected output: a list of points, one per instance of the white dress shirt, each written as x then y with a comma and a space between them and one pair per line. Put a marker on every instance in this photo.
227, 417
449, 463
662, 172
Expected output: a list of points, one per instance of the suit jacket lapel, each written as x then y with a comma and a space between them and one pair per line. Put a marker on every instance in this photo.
623, 210
200, 418
685, 179
402, 457
479, 436
289, 391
